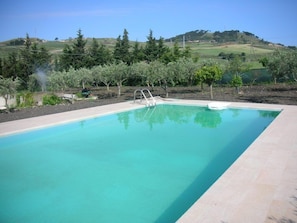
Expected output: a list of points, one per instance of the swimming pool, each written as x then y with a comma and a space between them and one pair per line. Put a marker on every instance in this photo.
145, 165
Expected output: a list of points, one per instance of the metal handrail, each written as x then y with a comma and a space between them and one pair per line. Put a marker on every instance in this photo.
142, 91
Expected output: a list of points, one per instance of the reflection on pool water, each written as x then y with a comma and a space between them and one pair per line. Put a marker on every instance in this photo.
144, 165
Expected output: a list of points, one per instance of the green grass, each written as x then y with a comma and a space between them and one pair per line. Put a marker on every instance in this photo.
214, 50
211, 51
54, 47
6, 50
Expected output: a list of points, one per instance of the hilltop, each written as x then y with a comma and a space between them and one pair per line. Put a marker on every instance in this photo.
230, 36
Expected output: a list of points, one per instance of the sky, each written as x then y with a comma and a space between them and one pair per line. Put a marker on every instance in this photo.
272, 20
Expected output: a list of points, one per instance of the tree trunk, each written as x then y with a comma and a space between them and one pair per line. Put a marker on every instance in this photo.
6, 101
211, 94
201, 86
119, 89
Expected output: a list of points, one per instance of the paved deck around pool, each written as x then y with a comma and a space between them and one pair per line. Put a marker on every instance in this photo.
260, 186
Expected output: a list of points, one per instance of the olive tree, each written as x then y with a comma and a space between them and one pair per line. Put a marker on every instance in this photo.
151, 77
237, 67
120, 73
187, 69
276, 66
209, 74
292, 65
140, 70
96, 72
283, 64
103, 74
159, 74
61, 80
8, 88
58, 80
84, 77
176, 72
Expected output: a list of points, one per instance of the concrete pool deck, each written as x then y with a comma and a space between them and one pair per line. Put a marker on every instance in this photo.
261, 184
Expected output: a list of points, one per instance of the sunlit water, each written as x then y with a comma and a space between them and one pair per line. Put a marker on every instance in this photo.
145, 165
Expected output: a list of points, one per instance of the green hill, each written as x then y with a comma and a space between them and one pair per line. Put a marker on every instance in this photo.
231, 36
209, 45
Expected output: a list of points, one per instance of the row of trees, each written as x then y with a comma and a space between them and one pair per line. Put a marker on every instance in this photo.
180, 72
184, 71
77, 56
33, 58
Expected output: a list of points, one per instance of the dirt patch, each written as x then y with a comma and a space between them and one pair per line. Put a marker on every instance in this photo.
270, 94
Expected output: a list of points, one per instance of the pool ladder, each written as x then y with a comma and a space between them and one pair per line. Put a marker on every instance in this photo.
147, 95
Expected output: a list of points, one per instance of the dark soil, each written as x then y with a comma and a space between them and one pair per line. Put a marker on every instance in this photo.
269, 94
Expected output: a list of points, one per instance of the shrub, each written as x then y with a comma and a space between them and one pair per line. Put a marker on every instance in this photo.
236, 81
51, 99
25, 99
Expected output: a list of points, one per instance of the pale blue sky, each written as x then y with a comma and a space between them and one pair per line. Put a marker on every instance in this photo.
272, 20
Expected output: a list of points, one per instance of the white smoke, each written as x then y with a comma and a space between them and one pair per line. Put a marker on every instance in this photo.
42, 78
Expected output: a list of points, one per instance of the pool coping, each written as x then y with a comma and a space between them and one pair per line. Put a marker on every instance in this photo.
258, 187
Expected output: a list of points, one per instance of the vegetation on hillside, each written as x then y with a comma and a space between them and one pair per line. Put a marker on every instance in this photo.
229, 36
83, 63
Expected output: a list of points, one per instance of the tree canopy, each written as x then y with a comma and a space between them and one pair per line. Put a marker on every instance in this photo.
208, 74
282, 65
8, 87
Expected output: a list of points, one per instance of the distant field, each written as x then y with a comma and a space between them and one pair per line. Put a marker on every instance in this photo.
214, 50
6, 50
211, 51
55, 47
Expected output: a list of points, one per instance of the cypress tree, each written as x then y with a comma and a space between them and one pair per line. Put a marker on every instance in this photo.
121, 51
79, 54
75, 55
151, 48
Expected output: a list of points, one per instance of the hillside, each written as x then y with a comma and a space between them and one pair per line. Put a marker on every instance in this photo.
54, 46
231, 36
203, 44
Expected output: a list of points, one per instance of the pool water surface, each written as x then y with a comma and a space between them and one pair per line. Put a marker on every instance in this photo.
144, 165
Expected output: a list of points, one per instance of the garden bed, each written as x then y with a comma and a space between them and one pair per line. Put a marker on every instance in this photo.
270, 94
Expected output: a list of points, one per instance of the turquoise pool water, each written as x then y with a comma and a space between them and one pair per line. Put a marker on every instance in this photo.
145, 165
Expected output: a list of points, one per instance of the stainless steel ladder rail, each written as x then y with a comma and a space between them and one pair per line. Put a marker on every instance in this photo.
149, 101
